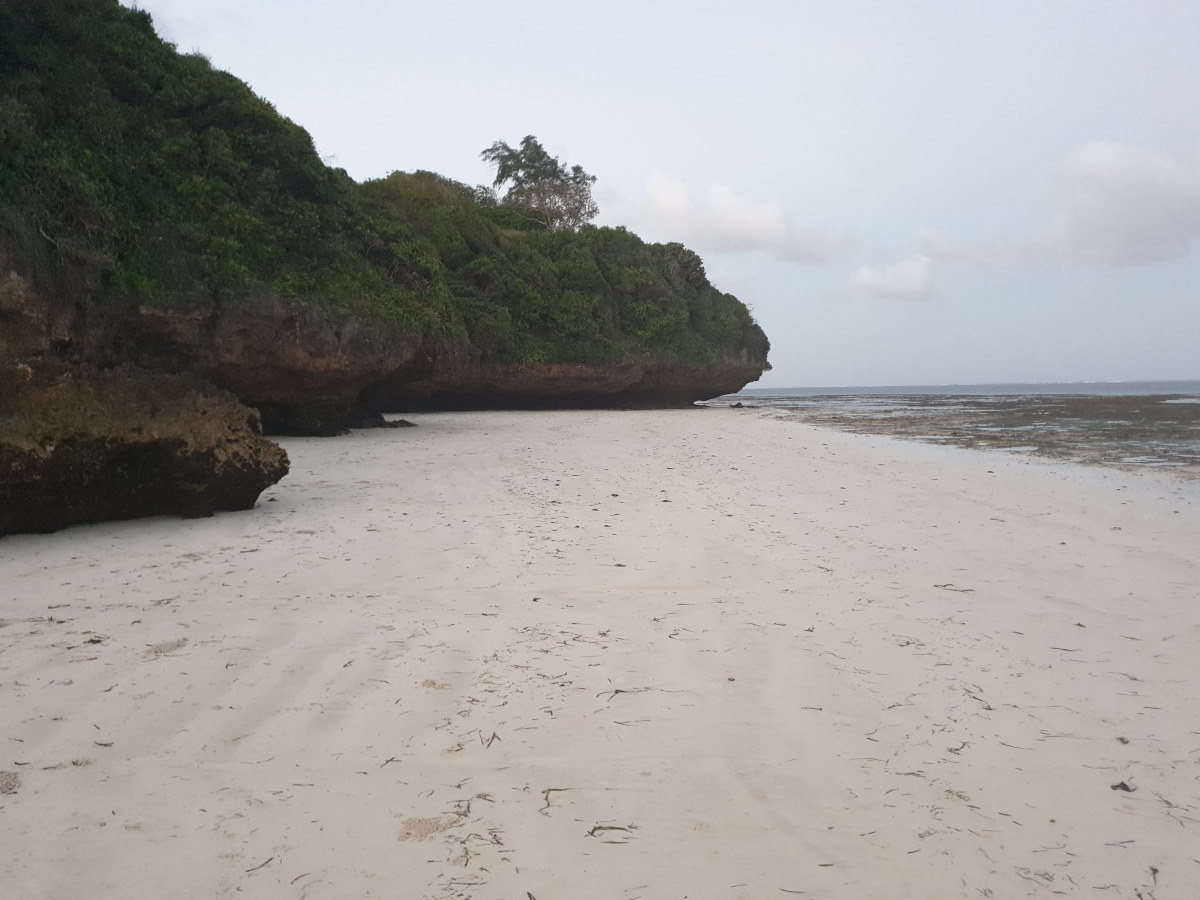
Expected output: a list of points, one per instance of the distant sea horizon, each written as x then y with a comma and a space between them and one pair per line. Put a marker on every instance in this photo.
1096, 388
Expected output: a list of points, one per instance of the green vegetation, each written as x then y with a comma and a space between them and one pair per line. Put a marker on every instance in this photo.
540, 187
133, 175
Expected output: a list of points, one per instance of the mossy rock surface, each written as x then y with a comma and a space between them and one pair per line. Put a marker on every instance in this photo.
97, 446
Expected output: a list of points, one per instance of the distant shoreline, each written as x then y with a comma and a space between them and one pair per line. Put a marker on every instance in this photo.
1103, 388
1129, 429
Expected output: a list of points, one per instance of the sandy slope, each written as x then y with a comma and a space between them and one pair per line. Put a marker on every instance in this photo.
701, 654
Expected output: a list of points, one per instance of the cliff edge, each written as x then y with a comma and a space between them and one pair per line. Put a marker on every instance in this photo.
158, 217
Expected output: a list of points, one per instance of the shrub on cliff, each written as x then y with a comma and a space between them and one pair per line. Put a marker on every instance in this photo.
540, 188
540, 295
170, 180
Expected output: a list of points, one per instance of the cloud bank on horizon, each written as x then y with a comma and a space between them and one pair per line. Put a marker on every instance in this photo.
909, 279
1118, 206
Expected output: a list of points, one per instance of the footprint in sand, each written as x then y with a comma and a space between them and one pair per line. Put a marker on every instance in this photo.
421, 829
166, 647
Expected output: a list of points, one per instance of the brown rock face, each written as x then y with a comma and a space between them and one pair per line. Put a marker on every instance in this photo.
648, 384
302, 371
91, 447
318, 374
29, 325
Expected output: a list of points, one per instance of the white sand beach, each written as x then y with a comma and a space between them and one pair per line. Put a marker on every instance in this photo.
573, 655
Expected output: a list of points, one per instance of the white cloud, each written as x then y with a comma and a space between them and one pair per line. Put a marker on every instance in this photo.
1125, 206
937, 246
721, 221
910, 279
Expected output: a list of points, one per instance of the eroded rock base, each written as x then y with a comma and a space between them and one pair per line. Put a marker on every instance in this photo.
95, 446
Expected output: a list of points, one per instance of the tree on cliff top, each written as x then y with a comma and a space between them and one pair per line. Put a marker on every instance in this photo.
541, 187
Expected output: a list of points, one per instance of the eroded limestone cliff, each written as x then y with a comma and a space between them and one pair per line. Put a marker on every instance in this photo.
166, 233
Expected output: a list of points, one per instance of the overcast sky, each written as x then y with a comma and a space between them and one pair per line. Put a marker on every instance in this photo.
904, 191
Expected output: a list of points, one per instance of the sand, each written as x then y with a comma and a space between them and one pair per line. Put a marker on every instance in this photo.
571, 655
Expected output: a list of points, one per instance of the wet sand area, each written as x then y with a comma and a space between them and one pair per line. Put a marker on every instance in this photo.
1121, 431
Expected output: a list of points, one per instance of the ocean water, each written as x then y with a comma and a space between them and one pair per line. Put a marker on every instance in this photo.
1123, 424
1087, 388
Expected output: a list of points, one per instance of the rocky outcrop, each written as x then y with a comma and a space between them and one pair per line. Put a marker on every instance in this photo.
317, 374
314, 375
31, 326
302, 370
458, 384
162, 216
176, 226
93, 446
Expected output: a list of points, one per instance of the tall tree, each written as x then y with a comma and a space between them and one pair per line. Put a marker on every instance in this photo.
542, 187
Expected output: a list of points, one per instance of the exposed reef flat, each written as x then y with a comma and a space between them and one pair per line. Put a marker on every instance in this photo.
1120, 431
